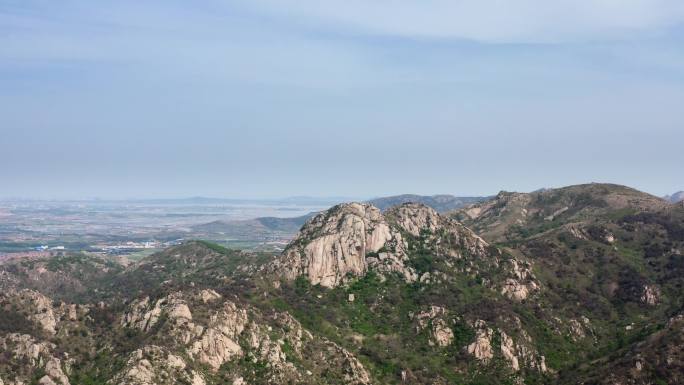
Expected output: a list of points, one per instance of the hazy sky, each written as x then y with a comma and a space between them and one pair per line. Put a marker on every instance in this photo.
269, 98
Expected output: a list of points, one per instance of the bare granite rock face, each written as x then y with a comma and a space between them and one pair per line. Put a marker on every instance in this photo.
650, 295
578, 328
335, 244
509, 352
521, 284
38, 355
441, 333
40, 308
209, 295
352, 238
218, 343
227, 332
156, 365
481, 348
26, 347
517, 351
415, 218
212, 344
353, 371
144, 315
54, 373
47, 315
450, 236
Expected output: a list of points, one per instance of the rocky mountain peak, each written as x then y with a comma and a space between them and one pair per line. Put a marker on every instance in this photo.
350, 239
415, 217
335, 244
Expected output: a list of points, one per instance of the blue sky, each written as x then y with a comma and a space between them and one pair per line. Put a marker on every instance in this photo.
266, 98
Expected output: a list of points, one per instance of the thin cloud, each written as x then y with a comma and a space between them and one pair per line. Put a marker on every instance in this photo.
500, 21
237, 95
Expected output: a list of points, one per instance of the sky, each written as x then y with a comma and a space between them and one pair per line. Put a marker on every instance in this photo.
266, 98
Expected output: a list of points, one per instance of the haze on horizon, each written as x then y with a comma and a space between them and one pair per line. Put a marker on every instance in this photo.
264, 99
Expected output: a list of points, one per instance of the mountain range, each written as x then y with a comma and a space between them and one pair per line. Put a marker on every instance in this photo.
576, 285
263, 228
250, 226
441, 203
676, 197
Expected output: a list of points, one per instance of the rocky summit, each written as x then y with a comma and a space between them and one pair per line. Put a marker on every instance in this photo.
578, 285
350, 239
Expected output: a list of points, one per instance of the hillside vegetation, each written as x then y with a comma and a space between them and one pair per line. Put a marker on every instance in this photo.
579, 285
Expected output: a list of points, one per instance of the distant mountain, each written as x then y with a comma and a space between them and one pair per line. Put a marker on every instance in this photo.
440, 203
300, 200
262, 224
322, 201
510, 215
676, 197
244, 227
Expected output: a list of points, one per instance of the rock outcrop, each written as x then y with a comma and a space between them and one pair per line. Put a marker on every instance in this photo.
144, 315
209, 295
442, 333
481, 348
156, 365
227, 332
650, 295
40, 309
448, 236
521, 284
350, 239
39, 356
352, 369
516, 351
435, 317
509, 352
46, 315
218, 343
334, 245
578, 329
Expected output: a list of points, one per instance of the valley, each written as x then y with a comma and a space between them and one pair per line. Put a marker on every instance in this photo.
130, 227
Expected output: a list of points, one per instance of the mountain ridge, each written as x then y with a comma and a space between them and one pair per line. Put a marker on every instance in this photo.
675, 198
497, 218
441, 202
590, 294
